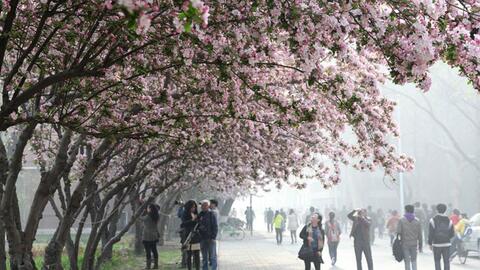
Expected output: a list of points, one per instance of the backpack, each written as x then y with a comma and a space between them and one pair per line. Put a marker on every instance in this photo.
333, 232
442, 232
397, 249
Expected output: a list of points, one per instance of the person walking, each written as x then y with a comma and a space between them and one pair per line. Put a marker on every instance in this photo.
249, 217
313, 237
293, 225
150, 235
192, 242
381, 223
333, 231
208, 229
277, 224
410, 230
440, 233
459, 233
270, 215
426, 222
361, 237
308, 217
392, 224
373, 223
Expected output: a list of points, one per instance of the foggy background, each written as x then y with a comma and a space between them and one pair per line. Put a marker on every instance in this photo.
440, 129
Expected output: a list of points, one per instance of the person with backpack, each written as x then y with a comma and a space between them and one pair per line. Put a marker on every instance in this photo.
277, 224
440, 233
410, 231
361, 237
333, 231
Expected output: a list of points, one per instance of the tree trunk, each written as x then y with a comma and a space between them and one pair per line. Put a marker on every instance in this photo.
3, 179
54, 249
9, 210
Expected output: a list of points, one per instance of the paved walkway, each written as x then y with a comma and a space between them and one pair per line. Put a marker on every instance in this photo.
264, 254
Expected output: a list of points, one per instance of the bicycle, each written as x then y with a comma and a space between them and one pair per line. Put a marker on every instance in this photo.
462, 253
231, 231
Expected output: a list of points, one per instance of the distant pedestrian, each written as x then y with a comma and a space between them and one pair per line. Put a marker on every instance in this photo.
381, 220
361, 235
215, 211
293, 225
269, 217
249, 217
192, 242
150, 235
342, 218
441, 231
310, 212
208, 229
421, 216
373, 223
392, 225
333, 231
313, 237
426, 222
277, 224
410, 230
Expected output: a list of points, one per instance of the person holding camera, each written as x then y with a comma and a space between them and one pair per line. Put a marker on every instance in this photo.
192, 241
361, 235
150, 235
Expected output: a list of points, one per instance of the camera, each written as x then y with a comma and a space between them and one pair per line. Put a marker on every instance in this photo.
179, 203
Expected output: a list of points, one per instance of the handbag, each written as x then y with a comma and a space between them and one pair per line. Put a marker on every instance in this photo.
397, 249
306, 253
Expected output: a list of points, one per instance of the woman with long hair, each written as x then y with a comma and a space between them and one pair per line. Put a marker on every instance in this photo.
314, 239
150, 235
192, 244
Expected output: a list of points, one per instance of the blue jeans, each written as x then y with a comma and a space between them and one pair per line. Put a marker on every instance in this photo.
209, 254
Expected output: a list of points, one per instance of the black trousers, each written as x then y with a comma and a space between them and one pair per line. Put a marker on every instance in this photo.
308, 265
438, 254
151, 249
363, 247
196, 259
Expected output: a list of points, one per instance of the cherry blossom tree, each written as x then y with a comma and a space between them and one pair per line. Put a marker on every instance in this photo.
245, 93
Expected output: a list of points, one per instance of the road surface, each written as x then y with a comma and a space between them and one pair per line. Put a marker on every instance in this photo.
261, 253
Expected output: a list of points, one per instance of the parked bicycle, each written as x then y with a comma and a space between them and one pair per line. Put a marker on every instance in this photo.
233, 229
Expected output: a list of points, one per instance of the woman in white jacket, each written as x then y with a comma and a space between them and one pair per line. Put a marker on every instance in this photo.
293, 225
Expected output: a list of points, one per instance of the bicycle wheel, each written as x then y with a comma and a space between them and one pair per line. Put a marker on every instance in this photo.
239, 234
462, 254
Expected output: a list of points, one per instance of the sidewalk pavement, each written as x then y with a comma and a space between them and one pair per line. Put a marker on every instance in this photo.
260, 252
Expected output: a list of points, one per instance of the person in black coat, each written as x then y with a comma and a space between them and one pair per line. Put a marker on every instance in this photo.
192, 242
314, 237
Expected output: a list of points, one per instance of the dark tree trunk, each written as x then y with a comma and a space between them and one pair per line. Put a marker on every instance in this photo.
54, 249
3, 179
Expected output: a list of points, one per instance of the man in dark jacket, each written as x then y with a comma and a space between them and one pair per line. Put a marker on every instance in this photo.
269, 219
440, 233
208, 234
361, 235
